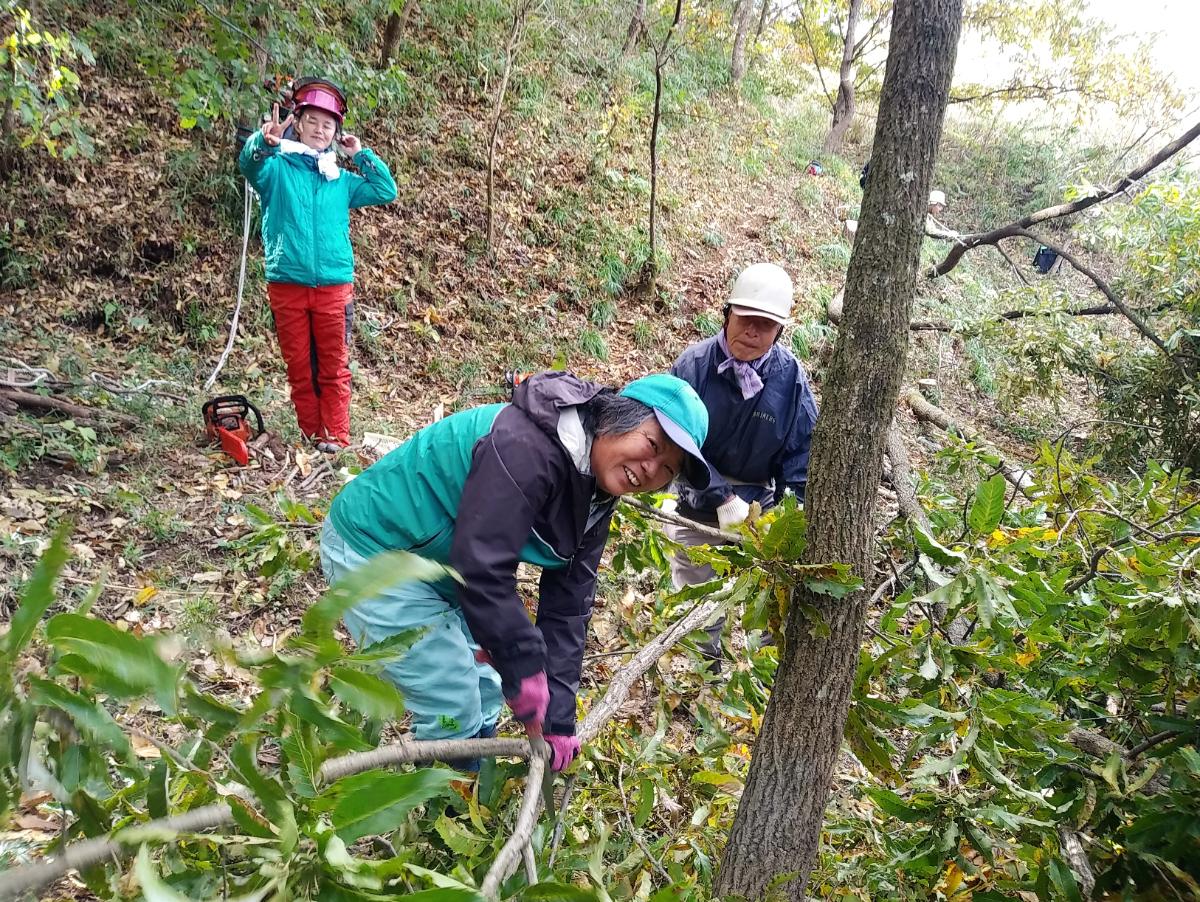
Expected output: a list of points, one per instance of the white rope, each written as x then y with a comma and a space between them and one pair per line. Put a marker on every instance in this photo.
249, 205
37, 374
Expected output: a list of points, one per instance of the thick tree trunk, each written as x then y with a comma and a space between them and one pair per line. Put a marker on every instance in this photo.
843, 106
743, 15
776, 832
392, 31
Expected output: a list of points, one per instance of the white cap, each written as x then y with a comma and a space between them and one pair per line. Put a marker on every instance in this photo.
937, 197
763, 289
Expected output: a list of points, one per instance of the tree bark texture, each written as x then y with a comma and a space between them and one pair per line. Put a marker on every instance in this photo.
636, 30
776, 832
743, 13
514, 35
843, 106
660, 60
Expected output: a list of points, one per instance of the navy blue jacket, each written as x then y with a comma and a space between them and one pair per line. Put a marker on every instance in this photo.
764, 441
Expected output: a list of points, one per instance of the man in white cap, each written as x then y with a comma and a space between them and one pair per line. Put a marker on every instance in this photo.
761, 415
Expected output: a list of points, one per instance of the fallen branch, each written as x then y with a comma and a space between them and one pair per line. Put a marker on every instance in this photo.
930, 413
623, 680
967, 242
77, 412
82, 855
1106, 290
1072, 848
723, 536
510, 855
410, 751
902, 480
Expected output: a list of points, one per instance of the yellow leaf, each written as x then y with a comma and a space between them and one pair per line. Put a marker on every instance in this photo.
951, 880
1026, 658
144, 594
998, 539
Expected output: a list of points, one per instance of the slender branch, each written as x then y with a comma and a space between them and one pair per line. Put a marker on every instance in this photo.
560, 823
967, 242
623, 680
816, 62
411, 751
82, 855
1016, 270
723, 536
1106, 290
510, 854
1158, 739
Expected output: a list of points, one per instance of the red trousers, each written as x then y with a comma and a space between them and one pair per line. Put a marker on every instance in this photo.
313, 325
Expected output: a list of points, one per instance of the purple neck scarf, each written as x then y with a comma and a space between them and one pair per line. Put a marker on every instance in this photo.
749, 381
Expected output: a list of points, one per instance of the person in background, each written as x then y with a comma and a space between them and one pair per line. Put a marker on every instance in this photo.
306, 200
761, 415
535, 480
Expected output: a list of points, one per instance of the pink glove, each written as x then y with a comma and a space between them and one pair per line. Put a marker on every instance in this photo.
530, 703
563, 750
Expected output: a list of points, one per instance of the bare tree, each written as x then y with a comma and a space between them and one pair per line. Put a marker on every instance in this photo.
843, 106
520, 15
774, 839
661, 58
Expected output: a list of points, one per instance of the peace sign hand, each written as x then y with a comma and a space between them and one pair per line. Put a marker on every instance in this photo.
272, 131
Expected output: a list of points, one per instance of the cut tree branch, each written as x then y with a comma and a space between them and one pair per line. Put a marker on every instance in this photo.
931, 413
510, 855
85, 854
31, 401
722, 536
967, 242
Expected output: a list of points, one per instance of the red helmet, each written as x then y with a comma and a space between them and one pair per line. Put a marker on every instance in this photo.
322, 95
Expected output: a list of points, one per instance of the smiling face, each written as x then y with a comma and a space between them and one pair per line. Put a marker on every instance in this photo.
316, 128
643, 460
749, 337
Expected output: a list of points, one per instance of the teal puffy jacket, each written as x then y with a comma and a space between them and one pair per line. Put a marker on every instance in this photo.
306, 218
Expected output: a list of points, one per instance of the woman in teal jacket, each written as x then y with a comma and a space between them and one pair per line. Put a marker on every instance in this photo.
306, 201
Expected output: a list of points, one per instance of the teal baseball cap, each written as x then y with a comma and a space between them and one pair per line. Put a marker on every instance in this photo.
682, 416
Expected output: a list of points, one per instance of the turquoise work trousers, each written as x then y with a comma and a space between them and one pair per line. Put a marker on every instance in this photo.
450, 694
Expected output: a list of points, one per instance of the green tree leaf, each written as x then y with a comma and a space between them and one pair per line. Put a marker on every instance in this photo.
38, 595
367, 693
936, 550
374, 803
89, 716
379, 574
132, 661
988, 506
153, 887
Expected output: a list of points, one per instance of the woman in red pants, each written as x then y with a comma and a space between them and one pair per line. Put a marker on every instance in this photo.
306, 201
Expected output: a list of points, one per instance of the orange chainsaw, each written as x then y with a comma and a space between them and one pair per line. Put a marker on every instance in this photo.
227, 420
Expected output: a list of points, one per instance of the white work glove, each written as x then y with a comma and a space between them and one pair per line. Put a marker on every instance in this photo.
732, 512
